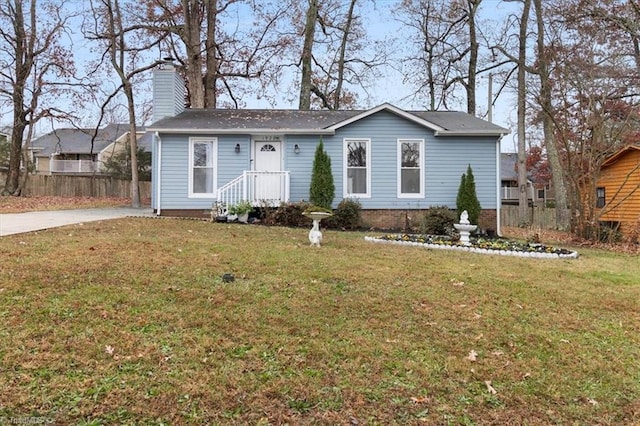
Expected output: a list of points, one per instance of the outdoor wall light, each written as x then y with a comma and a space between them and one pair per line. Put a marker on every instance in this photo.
237, 148
296, 149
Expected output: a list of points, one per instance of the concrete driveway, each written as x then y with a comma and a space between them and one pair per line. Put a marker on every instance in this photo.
17, 223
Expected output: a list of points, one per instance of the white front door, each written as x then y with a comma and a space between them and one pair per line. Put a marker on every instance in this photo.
267, 185
268, 156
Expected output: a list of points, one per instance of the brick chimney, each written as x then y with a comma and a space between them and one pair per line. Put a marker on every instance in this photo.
168, 91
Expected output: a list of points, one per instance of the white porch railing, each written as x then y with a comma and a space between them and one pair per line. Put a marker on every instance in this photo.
271, 188
73, 166
513, 193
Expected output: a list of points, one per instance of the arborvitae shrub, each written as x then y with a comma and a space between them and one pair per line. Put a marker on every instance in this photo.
467, 198
322, 188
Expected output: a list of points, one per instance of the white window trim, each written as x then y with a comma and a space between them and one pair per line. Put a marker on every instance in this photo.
214, 153
345, 153
399, 168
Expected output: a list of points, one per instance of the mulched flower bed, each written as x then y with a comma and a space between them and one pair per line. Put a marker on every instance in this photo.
496, 246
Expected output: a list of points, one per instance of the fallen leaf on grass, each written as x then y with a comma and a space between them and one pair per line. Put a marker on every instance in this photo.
592, 401
490, 388
419, 400
109, 349
456, 283
473, 355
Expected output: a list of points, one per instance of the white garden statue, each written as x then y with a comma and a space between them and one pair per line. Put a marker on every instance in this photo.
465, 228
464, 218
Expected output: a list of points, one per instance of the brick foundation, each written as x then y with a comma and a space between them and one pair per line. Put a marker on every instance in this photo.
391, 219
200, 213
409, 220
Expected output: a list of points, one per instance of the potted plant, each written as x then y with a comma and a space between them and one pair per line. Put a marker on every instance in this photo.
218, 212
241, 210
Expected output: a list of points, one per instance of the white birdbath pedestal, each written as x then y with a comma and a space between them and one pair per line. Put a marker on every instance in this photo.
465, 228
315, 236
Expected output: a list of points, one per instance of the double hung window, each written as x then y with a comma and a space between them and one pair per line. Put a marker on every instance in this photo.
357, 167
202, 162
410, 174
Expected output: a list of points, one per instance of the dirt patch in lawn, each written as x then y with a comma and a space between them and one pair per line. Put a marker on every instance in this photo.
9, 204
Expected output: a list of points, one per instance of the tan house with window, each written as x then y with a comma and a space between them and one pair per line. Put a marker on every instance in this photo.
618, 190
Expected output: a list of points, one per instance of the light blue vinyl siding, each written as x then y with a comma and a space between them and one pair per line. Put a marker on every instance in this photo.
300, 165
174, 181
168, 93
445, 160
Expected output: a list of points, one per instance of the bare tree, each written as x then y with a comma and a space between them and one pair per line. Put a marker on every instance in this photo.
430, 62
31, 53
217, 49
596, 96
543, 71
523, 196
124, 49
337, 59
307, 55
446, 49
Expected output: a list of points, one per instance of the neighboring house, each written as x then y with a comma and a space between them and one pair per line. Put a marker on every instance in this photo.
394, 162
618, 190
70, 151
538, 193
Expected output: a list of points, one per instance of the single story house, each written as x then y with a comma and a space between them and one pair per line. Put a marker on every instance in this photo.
70, 151
618, 190
396, 163
538, 193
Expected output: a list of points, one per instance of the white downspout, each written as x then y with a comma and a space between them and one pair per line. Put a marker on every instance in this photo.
159, 175
498, 188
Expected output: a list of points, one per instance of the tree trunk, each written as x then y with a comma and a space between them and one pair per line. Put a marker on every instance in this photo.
307, 54
191, 36
133, 145
211, 72
24, 62
523, 199
473, 56
563, 217
343, 48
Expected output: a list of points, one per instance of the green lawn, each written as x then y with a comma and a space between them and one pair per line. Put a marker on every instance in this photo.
129, 322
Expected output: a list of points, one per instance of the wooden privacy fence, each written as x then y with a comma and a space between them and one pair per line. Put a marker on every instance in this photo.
540, 217
83, 186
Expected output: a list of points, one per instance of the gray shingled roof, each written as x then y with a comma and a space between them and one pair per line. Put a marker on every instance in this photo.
78, 141
508, 169
508, 166
238, 120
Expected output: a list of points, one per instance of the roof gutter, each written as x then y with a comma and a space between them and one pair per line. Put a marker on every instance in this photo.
499, 134
245, 131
